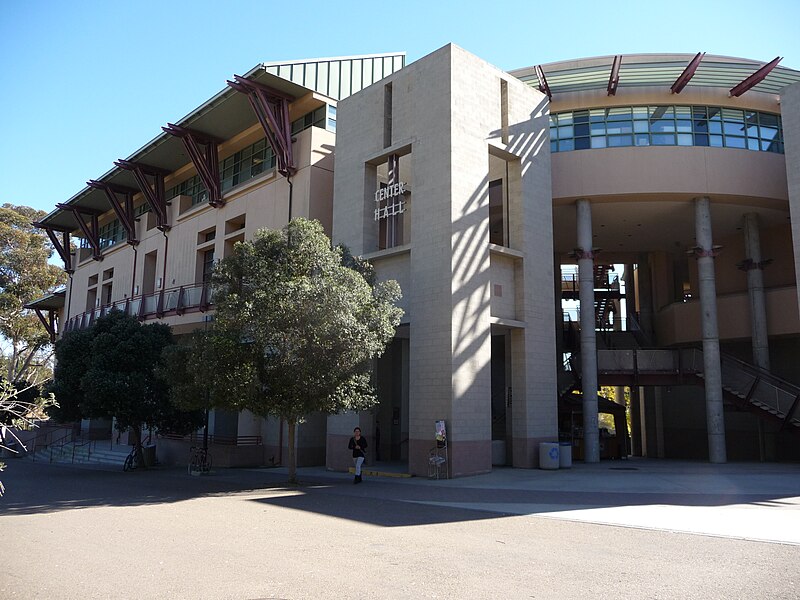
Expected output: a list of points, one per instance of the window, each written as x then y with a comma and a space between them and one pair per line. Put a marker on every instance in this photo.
249, 162
665, 126
496, 213
316, 118
208, 265
192, 187
110, 234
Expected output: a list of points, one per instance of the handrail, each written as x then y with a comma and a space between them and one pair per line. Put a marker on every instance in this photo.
755, 386
43, 435
83, 443
62, 439
219, 440
176, 300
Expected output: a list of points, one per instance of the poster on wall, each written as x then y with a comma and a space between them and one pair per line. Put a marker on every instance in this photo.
441, 434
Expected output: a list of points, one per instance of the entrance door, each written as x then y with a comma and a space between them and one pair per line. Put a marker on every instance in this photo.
391, 414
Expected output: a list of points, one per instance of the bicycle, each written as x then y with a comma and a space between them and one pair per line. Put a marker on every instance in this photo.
132, 460
199, 460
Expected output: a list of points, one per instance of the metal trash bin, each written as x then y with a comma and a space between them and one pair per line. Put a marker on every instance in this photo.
565, 455
149, 455
548, 455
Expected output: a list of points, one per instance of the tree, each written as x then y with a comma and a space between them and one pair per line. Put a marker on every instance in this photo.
25, 275
296, 329
113, 369
20, 406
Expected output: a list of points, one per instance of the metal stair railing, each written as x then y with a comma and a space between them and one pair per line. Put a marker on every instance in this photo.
752, 385
761, 388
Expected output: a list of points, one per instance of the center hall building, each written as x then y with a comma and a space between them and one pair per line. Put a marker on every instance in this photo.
629, 222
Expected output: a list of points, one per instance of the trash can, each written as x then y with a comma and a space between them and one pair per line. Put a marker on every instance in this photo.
565, 455
548, 455
149, 455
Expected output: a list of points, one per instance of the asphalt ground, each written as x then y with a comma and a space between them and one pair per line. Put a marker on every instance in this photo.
634, 529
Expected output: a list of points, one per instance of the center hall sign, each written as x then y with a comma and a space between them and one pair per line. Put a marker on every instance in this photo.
390, 198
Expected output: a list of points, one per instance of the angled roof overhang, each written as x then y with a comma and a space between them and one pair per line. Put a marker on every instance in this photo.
229, 112
221, 117
639, 70
53, 301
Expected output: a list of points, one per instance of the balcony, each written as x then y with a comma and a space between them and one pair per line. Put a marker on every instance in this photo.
174, 301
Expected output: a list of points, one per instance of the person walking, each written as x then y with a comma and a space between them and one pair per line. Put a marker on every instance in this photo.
358, 445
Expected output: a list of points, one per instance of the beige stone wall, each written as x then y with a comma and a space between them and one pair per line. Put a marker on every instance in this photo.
446, 122
260, 202
790, 112
679, 323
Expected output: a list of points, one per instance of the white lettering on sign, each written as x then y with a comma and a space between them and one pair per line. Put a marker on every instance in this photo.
390, 201
390, 191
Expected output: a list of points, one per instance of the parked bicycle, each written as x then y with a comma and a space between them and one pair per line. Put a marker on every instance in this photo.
199, 460
132, 460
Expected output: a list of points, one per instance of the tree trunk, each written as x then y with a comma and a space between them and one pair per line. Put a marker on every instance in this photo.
21, 371
292, 425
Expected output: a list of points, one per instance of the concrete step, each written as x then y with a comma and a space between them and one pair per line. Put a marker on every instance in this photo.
375, 473
81, 455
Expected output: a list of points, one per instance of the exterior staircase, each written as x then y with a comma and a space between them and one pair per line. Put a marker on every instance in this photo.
743, 384
81, 453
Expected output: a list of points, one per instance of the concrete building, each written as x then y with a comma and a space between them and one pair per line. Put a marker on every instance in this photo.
627, 221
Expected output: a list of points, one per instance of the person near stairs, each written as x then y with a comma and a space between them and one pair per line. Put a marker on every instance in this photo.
358, 444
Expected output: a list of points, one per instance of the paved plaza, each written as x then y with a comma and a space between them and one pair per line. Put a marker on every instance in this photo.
631, 529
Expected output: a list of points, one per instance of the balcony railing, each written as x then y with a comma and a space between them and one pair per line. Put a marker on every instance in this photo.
173, 301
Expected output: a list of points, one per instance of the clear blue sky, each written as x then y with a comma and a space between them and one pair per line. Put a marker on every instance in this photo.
85, 83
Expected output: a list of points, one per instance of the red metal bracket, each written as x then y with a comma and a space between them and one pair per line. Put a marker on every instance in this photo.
91, 229
699, 252
580, 253
62, 247
543, 86
123, 210
755, 78
49, 322
202, 149
613, 79
153, 192
687, 74
272, 110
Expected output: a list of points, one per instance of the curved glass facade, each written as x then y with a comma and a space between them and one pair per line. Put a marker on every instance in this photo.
665, 126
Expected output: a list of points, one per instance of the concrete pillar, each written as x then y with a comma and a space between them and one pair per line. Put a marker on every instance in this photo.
712, 371
644, 292
758, 307
591, 437
630, 295
559, 313
636, 422
755, 289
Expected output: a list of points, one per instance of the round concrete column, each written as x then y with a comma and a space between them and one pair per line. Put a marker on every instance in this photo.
712, 372
755, 289
591, 436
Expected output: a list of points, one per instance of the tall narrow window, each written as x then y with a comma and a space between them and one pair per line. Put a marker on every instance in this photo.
504, 110
387, 115
208, 265
496, 213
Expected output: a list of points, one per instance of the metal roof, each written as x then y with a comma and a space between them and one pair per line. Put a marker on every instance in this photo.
223, 116
52, 301
639, 70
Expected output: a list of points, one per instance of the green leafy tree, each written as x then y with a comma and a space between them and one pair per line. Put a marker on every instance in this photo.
25, 275
113, 369
297, 326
